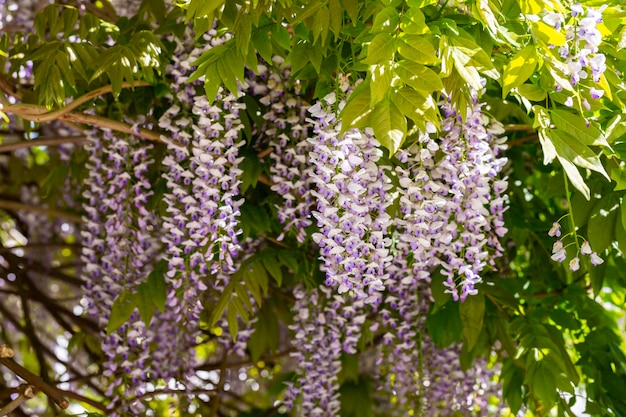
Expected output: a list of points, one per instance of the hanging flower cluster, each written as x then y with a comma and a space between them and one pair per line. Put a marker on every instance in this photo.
446, 389
283, 131
203, 176
559, 248
580, 54
351, 192
451, 205
118, 250
325, 325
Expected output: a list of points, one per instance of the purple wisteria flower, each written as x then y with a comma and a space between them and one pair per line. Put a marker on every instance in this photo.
351, 193
581, 54
461, 199
118, 250
325, 324
284, 129
203, 178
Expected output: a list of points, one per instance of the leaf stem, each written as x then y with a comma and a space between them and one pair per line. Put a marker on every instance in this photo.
572, 224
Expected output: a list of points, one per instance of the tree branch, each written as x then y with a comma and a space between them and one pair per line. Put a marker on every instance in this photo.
41, 114
17, 206
54, 141
26, 392
52, 392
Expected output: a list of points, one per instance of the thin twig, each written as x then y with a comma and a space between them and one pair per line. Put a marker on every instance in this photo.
37, 382
525, 139
40, 245
54, 141
26, 393
17, 206
518, 128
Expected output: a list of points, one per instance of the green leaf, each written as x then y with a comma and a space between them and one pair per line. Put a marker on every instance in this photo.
418, 108
236, 303
273, 267
258, 269
263, 44
476, 56
418, 49
420, 77
336, 16
230, 68
357, 112
542, 381
389, 125
352, 8
574, 150
122, 309
242, 32
547, 34
381, 49
602, 223
145, 304
519, 69
222, 302
472, 312
577, 127
233, 323
281, 35
253, 285
380, 84
414, 22
532, 92
512, 385
386, 20
574, 176
155, 285
309, 10
212, 82
444, 325
244, 298
252, 169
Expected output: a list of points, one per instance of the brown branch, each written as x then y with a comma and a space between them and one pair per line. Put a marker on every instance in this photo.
241, 363
103, 122
525, 139
80, 398
52, 392
9, 89
265, 152
26, 393
41, 114
215, 403
54, 141
17, 206
518, 128
40, 245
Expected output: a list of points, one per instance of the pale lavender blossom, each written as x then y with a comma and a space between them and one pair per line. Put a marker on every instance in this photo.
558, 251
555, 230
595, 259
574, 264
351, 193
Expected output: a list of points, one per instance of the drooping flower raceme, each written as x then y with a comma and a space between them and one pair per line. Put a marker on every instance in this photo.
119, 248
203, 177
580, 54
325, 325
284, 130
351, 192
